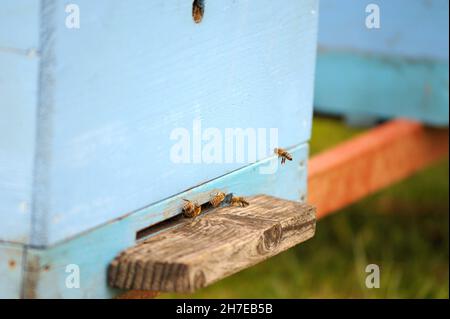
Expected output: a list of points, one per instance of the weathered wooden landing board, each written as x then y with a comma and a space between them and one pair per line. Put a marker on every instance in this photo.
222, 242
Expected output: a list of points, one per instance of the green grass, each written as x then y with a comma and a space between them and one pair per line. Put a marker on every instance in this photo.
403, 229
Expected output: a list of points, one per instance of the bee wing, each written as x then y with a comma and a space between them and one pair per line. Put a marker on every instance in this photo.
228, 198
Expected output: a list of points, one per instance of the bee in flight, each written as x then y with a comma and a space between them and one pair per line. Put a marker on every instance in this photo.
239, 201
283, 154
217, 199
198, 9
191, 209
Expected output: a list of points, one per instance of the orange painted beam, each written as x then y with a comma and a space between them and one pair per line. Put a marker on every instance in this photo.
375, 159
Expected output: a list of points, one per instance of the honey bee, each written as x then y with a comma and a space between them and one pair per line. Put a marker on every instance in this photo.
283, 154
191, 209
198, 9
239, 201
217, 199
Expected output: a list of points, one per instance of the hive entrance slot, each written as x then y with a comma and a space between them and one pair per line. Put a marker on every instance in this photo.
168, 223
156, 228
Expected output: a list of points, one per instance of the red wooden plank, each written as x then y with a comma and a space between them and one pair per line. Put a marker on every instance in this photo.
371, 161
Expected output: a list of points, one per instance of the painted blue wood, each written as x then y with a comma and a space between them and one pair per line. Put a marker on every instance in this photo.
18, 89
92, 251
19, 26
19, 62
113, 91
11, 257
399, 70
383, 87
408, 28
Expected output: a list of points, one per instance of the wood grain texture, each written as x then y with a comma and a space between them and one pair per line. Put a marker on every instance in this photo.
213, 246
376, 159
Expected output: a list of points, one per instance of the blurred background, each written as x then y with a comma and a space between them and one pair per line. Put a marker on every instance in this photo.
403, 229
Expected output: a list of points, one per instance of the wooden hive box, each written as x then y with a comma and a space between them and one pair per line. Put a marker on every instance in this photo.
90, 116
397, 70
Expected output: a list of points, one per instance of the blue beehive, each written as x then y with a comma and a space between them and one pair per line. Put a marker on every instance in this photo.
383, 59
90, 114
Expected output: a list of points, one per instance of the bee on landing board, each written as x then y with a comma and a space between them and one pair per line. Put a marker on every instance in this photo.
283, 154
190, 209
198, 9
217, 199
239, 201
